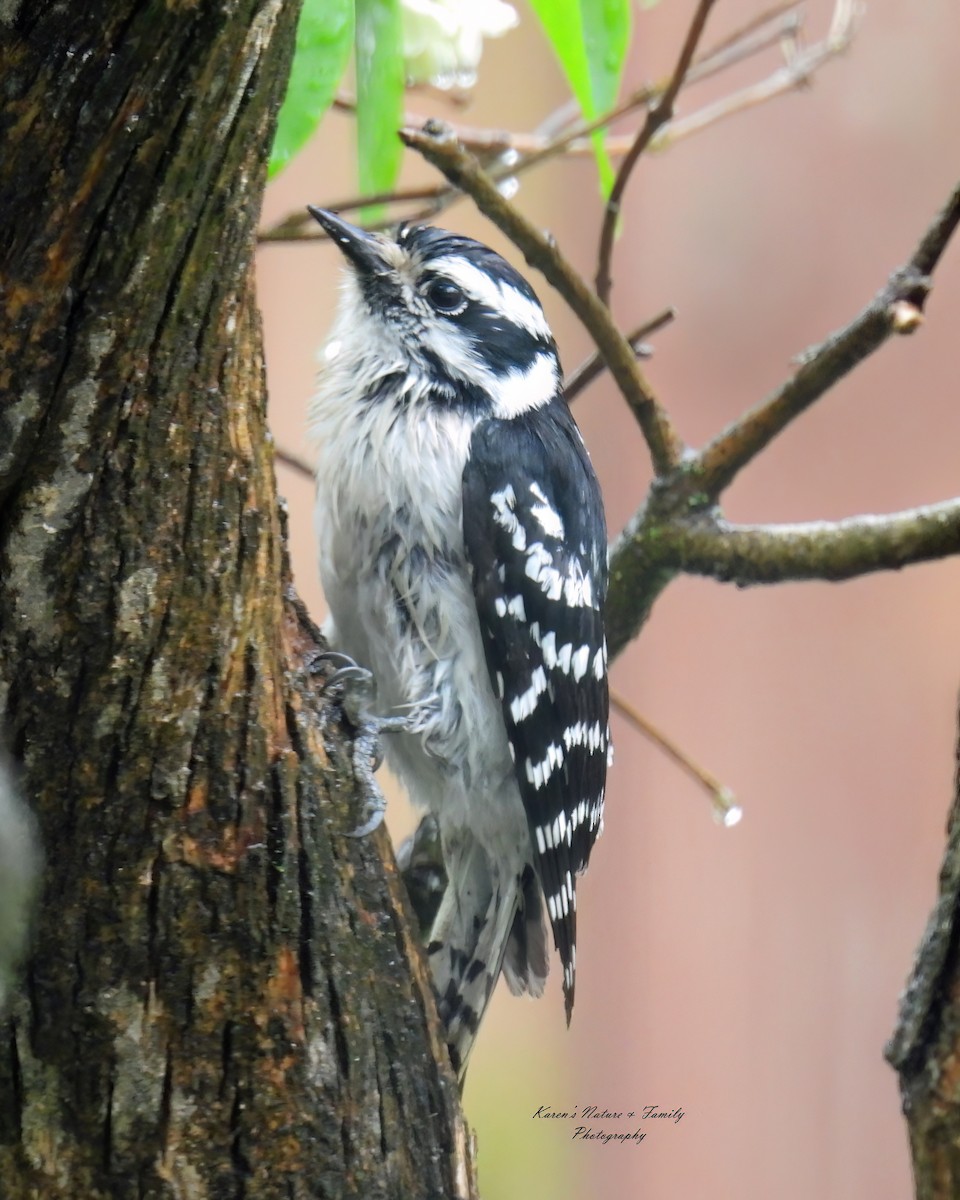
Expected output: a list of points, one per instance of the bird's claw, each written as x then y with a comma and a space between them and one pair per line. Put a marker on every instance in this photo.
376, 805
358, 690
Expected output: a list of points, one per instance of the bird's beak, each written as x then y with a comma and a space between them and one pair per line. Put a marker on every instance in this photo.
363, 249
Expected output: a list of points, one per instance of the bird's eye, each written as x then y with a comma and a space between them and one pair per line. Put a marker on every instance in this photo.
445, 296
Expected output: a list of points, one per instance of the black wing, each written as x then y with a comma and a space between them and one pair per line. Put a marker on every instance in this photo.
535, 537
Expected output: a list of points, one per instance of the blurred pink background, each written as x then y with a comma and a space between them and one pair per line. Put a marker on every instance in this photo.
749, 976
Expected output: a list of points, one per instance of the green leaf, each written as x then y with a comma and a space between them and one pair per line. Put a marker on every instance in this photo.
563, 26
324, 41
590, 38
606, 35
379, 50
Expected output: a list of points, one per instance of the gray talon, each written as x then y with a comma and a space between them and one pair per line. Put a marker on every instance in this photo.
359, 691
358, 694
329, 656
378, 808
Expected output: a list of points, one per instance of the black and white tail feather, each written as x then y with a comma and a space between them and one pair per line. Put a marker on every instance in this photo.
463, 556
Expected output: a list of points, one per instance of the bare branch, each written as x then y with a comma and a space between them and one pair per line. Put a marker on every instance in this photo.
652, 551
295, 225
726, 811
933, 243
594, 366
438, 145
677, 529
755, 33
827, 550
659, 114
822, 366
797, 72
294, 461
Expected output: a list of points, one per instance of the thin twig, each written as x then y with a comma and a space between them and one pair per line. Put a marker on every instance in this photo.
801, 65
438, 145
678, 530
657, 115
755, 25
291, 227
724, 803
288, 459
821, 367
593, 366
756, 36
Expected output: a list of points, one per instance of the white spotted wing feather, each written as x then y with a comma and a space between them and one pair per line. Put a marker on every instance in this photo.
536, 541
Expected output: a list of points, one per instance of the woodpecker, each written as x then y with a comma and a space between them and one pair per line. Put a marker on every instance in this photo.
463, 555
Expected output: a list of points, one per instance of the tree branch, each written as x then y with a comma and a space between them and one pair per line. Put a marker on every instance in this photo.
294, 461
659, 114
826, 550
293, 227
659, 544
438, 146
674, 531
897, 308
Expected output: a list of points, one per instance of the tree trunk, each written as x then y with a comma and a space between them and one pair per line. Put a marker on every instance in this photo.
223, 998
925, 1048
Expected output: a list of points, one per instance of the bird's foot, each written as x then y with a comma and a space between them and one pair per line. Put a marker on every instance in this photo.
355, 688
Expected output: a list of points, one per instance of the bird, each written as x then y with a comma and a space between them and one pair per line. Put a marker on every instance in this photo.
463, 556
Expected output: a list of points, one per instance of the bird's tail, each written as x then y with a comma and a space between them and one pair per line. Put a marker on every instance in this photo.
485, 921
527, 958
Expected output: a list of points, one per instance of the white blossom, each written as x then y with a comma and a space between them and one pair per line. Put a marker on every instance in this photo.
443, 39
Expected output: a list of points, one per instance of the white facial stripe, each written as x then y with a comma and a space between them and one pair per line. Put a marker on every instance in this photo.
520, 391
511, 394
455, 351
501, 297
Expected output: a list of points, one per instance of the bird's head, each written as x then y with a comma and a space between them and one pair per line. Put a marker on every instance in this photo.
450, 311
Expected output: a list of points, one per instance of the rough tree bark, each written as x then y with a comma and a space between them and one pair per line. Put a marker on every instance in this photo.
223, 999
925, 1048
